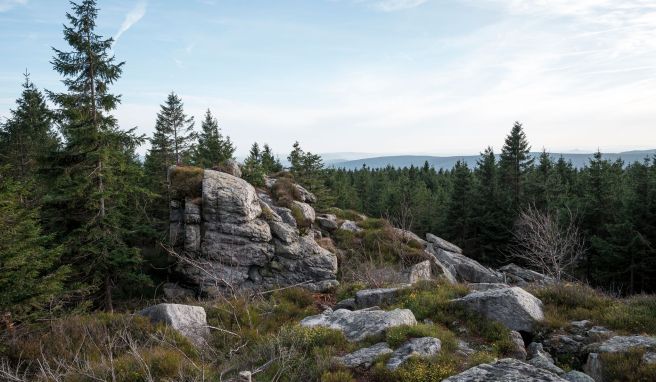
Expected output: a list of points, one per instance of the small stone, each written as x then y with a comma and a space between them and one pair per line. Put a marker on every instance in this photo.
415, 347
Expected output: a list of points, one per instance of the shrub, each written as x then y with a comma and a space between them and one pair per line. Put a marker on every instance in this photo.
186, 181
628, 366
337, 376
285, 192
396, 336
417, 369
348, 290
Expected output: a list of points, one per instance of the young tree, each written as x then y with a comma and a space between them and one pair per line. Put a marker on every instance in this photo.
252, 170
515, 163
91, 194
28, 135
212, 148
30, 277
178, 129
269, 163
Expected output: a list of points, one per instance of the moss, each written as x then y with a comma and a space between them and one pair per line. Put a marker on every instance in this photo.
417, 369
186, 181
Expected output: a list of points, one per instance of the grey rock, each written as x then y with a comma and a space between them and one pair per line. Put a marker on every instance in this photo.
360, 324
487, 286
518, 275
284, 232
418, 272
256, 230
189, 320
505, 370
617, 344
374, 297
327, 222
350, 225
415, 347
563, 344
228, 199
538, 357
304, 195
407, 236
365, 357
577, 376
348, 303
176, 292
463, 268
518, 351
464, 349
231, 167
442, 244
514, 307
306, 210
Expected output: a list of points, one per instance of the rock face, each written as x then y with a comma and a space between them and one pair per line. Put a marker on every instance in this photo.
419, 272
515, 274
514, 307
617, 344
421, 347
518, 351
359, 324
577, 376
350, 225
457, 266
505, 370
542, 359
376, 297
189, 320
365, 357
235, 238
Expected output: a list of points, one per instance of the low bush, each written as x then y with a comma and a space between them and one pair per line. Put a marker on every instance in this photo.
285, 192
629, 366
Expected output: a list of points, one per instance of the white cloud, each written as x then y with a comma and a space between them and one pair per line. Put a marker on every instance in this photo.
135, 14
6, 5
391, 5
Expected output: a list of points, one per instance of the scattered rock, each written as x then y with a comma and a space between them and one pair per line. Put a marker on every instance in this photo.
616, 344
487, 286
359, 324
542, 359
463, 268
505, 370
519, 351
518, 275
230, 167
304, 195
415, 347
365, 357
374, 297
514, 307
348, 303
464, 349
443, 244
577, 376
408, 236
190, 321
327, 222
418, 272
306, 211
350, 225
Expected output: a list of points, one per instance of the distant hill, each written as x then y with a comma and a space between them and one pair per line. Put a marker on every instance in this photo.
447, 162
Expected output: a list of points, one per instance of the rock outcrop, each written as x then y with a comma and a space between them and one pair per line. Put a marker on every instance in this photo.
457, 266
232, 237
618, 344
367, 298
515, 274
505, 370
415, 347
364, 357
360, 324
514, 307
190, 321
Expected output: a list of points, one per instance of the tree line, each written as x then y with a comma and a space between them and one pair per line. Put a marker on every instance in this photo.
82, 214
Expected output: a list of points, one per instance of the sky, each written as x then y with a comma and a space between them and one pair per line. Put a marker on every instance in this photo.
442, 77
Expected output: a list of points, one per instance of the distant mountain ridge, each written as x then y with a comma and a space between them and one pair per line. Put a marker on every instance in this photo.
447, 162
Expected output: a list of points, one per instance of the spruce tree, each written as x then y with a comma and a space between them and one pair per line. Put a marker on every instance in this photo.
252, 170
515, 163
212, 148
459, 213
269, 163
28, 136
30, 277
91, 194
177, 127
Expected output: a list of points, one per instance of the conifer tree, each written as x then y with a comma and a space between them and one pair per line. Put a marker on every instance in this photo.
458, 218
92, 194
252, 170
212, 148
30, 276
177, 127
27, 136
515, 162
270, 164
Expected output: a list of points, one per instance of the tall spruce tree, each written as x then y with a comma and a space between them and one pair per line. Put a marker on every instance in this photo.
270, 164
515, 163
459, 212
212, 148
252, 170
91, 196
177, 127
28, 134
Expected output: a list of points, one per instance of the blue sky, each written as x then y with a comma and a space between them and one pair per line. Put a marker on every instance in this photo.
377, 76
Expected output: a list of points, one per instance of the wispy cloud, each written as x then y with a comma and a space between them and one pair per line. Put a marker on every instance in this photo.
133, 17
391, 5
6, 5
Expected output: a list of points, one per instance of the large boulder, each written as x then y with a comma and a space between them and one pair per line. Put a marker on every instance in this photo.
190, 321
364, 357
327, 222
515, 274
360, 324
418, 272
305, 211
408, 236
415, 347
617, 344
440, 243
462, 267
505, 370
236, 238
366, 298
514, 307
